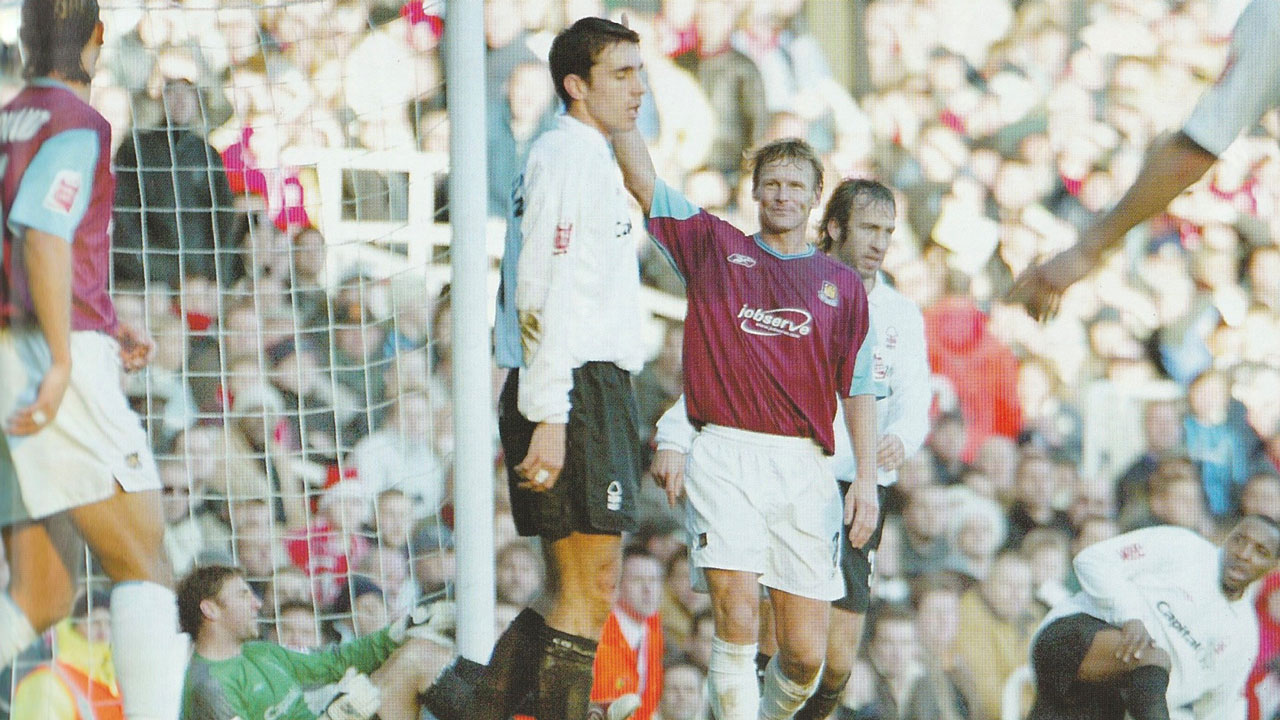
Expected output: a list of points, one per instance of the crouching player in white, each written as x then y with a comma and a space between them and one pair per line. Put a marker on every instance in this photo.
74, 458
232, 676
1163, 627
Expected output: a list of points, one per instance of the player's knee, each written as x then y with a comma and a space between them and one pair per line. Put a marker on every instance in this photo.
802, 661
736, 617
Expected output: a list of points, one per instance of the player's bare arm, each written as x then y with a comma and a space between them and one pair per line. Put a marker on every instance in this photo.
1172, 165
668, 472
638, 173
890, 452
861, 504
48, 261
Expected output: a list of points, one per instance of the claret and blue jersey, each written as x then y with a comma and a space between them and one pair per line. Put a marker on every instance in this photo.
769, 338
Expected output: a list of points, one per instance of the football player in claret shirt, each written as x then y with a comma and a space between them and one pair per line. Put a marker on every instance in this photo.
74, 457
773, 335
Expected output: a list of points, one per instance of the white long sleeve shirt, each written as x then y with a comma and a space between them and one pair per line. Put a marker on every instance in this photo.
577, 283
1170, 579
901, 368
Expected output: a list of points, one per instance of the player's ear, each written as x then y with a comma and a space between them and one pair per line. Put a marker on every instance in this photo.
576, 86
834, 232
208, 608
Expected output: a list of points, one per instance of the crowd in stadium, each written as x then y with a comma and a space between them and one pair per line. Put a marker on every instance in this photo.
303, 430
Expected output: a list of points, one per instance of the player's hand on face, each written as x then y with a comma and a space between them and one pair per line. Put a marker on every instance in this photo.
890, 452
667, 470
136, 347
1039, 288
1134, 641
861, 512
53, 386
541, 465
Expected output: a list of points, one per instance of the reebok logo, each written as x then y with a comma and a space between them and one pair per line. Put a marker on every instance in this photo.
792, 322
743, 260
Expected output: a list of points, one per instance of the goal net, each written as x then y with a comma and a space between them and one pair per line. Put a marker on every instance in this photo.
279, 230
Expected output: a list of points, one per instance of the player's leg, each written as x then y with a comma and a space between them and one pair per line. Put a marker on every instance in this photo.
405, 675
587, 566
1079, 676
847, 616
792, 676
731, 671
1143, 681
126, 533
41, 585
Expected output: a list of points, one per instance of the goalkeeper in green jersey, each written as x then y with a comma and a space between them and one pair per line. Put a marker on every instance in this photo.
232, 675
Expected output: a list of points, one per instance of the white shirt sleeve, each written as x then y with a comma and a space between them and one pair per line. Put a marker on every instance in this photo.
1107, 569
545, 289
1249, 85
907, 407
675, 432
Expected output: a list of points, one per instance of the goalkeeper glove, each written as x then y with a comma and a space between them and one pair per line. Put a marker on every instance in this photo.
358, 698
434, 621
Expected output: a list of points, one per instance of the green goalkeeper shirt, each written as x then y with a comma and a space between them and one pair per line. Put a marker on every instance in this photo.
268, 682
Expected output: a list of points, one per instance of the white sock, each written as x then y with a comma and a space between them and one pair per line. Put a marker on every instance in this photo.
731, 676
782, 696
16, 633
149, 652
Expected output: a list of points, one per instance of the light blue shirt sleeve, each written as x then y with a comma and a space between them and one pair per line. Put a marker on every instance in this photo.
55, 189
864, 382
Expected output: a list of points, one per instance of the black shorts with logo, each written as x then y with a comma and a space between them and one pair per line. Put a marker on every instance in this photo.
599, 486
1059, 649
856, 563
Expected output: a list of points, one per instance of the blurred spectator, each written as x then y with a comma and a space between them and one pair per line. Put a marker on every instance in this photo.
684, 693
174, 212
184, 515
680, 602
1034, 491
976, 531
894, 654
388, 567
288, 585
1048, 416
698, 649
1177, 497
947, 690
629, 657
924, 546
81, 676
946, 447
1220, 440
997, 460
1162, 430
296, 627
393, 519
982, 370
660, 383
360, 609
1048, 552
519, 573
434, 564
528, 107
332, 544
1261, 496
732, 84
997, 619
399, 455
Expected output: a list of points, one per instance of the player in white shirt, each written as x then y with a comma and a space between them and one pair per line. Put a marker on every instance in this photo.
568, 312
1248, 87
857, 226
1164, 627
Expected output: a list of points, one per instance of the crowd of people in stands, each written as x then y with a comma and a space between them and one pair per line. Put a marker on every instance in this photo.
303, 426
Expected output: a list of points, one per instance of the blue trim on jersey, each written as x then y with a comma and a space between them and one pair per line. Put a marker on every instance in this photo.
508, 351
59, 158
669, 203
670, 259
864, 382
49, 82
807, 252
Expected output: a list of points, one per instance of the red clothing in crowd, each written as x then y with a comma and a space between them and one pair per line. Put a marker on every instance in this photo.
983, 371
621, 669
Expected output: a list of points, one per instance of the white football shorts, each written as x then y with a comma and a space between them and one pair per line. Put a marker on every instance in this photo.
95, 440
764, 504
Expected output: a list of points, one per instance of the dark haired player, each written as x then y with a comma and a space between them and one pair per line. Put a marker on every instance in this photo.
73, 455
773, 336
1163, 627
568, 311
